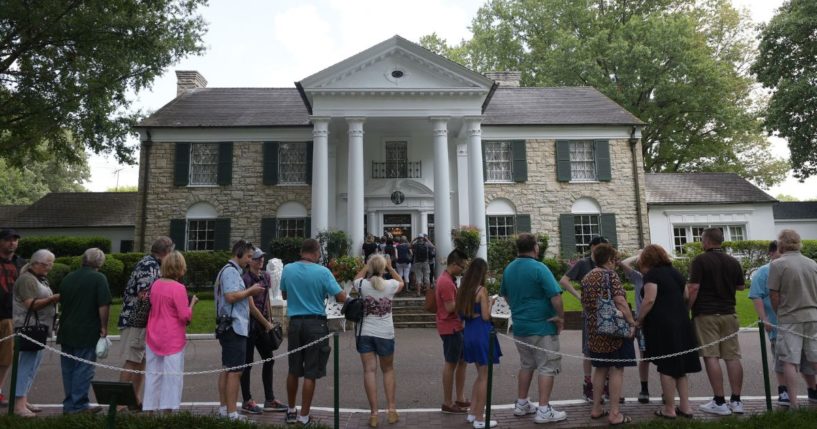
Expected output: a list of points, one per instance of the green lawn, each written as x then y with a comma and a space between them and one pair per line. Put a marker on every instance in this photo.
204, 318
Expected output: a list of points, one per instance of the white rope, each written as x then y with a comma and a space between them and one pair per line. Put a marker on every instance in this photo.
136, 371
787, 330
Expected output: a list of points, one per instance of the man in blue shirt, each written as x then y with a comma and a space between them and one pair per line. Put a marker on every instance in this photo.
232, 299
306, 285
759, 294
538, 317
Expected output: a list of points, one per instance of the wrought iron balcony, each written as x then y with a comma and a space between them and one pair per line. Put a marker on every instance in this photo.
397, 170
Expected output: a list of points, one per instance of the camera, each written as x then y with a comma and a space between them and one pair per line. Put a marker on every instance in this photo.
224, 324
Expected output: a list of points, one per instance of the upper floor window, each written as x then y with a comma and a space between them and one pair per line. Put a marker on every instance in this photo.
396, 159
498, 161
204, 163
292, 163
582, 161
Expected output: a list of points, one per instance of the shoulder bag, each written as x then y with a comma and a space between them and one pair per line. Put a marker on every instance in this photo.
609, 320
38, 332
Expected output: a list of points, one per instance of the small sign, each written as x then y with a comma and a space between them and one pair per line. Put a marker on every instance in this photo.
398, 197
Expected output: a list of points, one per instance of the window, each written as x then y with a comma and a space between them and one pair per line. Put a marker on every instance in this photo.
683, 234
498, 162
582, 161
292, 227
292, 163
586, 227
736, 233
679, 237
500, 227
204, 164
201, 234
430, 219
396, 159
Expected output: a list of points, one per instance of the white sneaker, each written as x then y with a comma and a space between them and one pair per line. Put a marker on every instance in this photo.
237, 417
712, 408
520, 409
482, 425
470, 418
546, 414
736, 407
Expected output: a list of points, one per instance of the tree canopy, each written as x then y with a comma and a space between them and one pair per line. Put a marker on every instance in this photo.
66, 67
678, 65
787, 64
28, 183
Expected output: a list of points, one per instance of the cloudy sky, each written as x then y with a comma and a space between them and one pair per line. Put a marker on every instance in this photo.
273, 44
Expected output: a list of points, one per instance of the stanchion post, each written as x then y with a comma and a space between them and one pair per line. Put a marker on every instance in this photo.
491, 352
761, 328
13, 386
337, 380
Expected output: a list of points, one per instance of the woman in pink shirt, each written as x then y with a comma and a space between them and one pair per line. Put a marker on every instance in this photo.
165, 336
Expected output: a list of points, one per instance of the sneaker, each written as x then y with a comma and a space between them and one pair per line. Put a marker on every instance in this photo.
520, 409
783, 399
453, 410
470, 418
250, 407
237, 417
737, 406
292, 416
812, 395
547, 414
712, 408
644, 397
275, 406
587, 391
310, 423
482, 425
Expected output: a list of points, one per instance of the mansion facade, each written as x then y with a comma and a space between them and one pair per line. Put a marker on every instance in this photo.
394, 139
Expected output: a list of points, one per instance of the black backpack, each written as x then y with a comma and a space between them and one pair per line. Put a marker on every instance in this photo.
353, 310
420, 252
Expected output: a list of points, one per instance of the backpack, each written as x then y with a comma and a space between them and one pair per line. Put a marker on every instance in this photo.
420, 252
353, 310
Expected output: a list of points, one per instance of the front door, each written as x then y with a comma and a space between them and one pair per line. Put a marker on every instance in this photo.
397, 225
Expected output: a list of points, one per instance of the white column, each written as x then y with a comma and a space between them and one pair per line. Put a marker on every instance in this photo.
320, 175
476, 184
423, 229
370, 223
355, 185
462, 183
442, 191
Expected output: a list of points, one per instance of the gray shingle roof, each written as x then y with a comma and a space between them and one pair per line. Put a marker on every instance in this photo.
79, 210
9, 212
555, 106
702, 188
283, 107
795, 210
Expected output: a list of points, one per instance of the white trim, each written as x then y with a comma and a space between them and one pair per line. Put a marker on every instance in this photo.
556, 132
227, 134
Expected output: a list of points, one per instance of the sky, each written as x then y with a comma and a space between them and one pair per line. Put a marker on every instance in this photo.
262, 43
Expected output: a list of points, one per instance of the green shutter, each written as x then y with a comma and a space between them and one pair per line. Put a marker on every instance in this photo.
225, 163
563, 160
308, 163
178, 233
484, 163
520, 161
523, 223
181, 172
307, 227
269, 231
608, 228
270, 163
567, 235
221, 237
602, 151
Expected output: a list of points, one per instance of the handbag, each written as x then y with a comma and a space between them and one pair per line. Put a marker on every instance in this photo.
609, 320
276, 335
140, 311
38, 332
430, 304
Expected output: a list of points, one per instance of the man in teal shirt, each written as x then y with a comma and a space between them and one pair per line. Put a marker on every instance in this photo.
538, 318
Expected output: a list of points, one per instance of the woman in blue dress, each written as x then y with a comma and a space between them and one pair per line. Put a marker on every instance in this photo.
474, 307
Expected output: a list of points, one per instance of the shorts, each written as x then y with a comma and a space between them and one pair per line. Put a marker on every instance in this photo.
453, 345
791, 347
712, 327
626, 351
535, 359
422, 272
133, 344
806, 367
233, 350
381, 346
310, 362
6, 347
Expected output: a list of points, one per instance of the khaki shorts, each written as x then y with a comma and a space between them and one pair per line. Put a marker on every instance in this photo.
791, 347
534, 359
6, 347
806, 367
422, 272
712, 327
133, 344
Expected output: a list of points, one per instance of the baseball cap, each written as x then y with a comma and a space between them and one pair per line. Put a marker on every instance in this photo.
7, 233
599, 240
257, 254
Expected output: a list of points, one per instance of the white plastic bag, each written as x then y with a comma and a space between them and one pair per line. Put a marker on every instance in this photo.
102, 347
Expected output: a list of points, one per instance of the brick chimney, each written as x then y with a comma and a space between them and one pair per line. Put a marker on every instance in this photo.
187, 80
505, 78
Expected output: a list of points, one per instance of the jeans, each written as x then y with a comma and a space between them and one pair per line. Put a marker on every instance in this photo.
27, 365
76, 378
256, 341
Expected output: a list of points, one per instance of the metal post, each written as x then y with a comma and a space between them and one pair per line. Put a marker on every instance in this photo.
337, 380
491, 351
13, 386
112, 412
762, 330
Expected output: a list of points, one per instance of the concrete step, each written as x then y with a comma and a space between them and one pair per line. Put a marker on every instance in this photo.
400, 325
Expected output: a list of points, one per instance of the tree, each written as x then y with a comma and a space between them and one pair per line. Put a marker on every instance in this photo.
126, 188
787, 64
26, 184
786, 197
66, 67
678, 65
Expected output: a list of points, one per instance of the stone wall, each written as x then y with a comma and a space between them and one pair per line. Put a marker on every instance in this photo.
544, 198
245, 201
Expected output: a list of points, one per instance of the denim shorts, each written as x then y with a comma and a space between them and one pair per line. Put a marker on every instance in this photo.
233, 350
452, 346
381, 346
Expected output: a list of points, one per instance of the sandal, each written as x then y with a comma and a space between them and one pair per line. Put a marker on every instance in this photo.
33, 408
683, 414
624, 421
660, 413
604, 413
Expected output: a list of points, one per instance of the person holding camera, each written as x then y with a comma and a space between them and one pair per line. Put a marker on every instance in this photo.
232, 325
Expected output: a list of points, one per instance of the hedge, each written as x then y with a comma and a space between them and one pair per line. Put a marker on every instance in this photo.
502, 251
287, 249
62, 245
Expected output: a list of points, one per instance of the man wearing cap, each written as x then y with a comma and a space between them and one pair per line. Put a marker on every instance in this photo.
10, 266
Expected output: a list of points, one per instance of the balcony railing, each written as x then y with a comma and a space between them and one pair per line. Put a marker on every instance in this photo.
397, 170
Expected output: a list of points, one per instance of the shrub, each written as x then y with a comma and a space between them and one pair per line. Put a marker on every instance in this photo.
287, 249
557, 266
345, 267
62, 245
334, 244
203, 267
129, 259
55, 276
113, 269
466, 238
543, 241
500, 253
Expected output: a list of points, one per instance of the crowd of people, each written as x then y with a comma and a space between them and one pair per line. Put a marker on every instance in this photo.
673, 316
